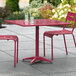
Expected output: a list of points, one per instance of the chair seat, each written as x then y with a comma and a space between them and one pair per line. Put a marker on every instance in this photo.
8, 37
58, 32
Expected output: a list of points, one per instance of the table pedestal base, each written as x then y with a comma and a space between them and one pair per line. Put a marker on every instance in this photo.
36, 58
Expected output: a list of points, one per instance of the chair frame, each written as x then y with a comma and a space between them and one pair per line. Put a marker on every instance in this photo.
15, 39
71, 17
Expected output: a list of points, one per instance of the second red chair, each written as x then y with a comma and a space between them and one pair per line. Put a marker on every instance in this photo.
71, 17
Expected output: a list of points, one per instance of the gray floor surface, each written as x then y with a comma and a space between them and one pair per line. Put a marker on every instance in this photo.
63, 65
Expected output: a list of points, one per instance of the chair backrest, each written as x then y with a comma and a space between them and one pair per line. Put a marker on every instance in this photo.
71, 17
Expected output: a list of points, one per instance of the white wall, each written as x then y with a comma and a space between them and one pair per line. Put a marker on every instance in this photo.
22, 3
2, 3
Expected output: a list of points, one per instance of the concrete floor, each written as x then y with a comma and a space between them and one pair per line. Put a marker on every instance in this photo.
63, 65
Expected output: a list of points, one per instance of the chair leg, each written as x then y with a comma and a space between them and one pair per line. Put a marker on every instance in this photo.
44, 44
17, 50
14, 53
74, 39
65, 44
52, 48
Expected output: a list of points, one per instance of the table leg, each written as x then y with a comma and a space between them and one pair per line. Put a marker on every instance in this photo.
37, 41
37, 57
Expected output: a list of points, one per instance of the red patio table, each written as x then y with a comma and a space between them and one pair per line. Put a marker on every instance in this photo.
37, 23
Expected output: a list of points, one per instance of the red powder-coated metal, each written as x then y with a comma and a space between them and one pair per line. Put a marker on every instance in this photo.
37, 23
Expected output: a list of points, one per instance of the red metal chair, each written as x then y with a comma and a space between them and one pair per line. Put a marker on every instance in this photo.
71, 17
15, 39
